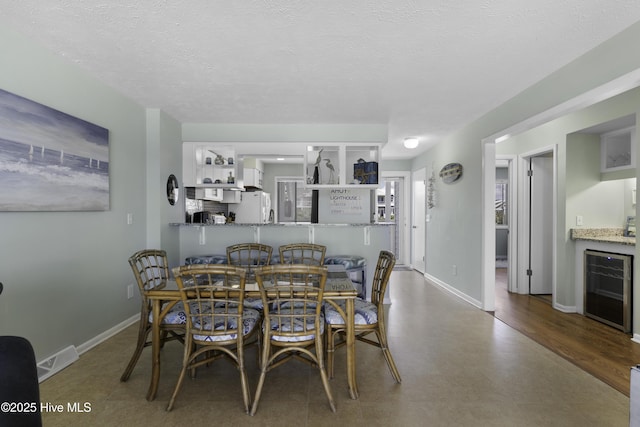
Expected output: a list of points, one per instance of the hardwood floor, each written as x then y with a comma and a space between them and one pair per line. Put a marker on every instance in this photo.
603, 351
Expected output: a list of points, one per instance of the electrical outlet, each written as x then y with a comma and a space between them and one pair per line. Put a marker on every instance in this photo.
130, 291
579, 220
129, 218
454, 270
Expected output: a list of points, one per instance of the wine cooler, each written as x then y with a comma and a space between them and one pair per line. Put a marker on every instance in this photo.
607, 288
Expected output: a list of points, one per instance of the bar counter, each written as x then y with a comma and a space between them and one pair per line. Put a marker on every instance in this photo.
365, 240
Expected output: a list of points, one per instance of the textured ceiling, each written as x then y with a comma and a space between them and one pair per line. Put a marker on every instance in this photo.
424, 67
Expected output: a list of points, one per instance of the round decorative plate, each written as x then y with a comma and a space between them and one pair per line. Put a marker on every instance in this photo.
451, 172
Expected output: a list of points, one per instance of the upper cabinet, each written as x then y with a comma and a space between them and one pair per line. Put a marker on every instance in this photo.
342, 165
211, 166
253, 172
618, 149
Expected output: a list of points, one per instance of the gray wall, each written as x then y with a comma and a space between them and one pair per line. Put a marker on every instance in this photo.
65, 273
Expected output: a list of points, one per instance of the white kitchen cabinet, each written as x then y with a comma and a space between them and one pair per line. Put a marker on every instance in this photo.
253, 177
207, 165
342, 165
213, 194
253, 172
231, 196
618, 149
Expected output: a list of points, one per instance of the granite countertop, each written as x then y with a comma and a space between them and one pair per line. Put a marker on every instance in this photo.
607, 235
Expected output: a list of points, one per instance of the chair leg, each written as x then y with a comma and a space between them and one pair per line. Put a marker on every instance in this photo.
143, 331
183, 372
263, 364
263, 374
384, 345
330, 346
323, 375
246, 392
187, 360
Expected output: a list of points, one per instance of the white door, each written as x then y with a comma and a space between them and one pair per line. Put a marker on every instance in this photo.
541, 225
418, 220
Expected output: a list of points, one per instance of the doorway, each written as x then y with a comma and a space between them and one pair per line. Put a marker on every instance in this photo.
506, 218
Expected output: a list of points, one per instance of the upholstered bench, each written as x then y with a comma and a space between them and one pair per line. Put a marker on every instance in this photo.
206, 259
353, 264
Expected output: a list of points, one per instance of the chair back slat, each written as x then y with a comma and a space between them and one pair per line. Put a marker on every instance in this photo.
213, 296
150, 268
249, 256
293, 293
384, 267
302, 253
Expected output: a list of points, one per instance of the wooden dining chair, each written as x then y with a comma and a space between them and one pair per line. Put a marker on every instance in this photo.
293, 323
250, 256
151, 271
302, 253
218, 323
369, 317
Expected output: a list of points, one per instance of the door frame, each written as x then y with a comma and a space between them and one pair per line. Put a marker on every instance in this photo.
510, 161
414, 221
523, 231
403, 221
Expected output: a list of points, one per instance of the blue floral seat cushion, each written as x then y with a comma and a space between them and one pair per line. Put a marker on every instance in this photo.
250, 319
253, 303
349, 261
175, 316
365, 313
296, 327
206, 259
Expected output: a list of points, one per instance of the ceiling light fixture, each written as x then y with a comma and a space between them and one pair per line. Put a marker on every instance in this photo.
411, 142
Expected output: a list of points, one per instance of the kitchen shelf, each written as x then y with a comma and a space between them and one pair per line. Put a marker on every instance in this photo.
335, 165
618, 149
207, 165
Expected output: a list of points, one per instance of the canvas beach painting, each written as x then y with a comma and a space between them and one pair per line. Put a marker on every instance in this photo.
50, 160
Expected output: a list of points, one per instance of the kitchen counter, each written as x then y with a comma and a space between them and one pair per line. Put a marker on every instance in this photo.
282, 224
363, 240
605, 235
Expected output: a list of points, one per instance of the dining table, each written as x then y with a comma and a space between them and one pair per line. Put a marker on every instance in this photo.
338, 287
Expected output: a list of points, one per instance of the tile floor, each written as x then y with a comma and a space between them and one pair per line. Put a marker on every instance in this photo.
460, 367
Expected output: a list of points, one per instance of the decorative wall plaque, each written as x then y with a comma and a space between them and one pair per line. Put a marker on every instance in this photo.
451, 172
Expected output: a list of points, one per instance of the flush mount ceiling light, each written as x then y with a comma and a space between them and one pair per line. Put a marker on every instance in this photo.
411, 142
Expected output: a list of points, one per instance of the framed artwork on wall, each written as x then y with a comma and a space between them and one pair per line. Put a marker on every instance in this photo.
50, 160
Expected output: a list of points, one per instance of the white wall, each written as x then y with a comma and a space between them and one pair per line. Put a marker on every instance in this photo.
454, 233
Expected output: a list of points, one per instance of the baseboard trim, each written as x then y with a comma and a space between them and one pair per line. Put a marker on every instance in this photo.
57, 362
83, 348
565, 308
453, 290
